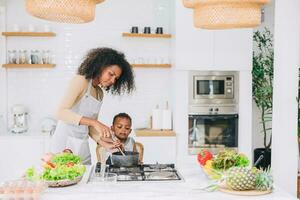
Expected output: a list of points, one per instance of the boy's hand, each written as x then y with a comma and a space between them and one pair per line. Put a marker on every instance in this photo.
117, 143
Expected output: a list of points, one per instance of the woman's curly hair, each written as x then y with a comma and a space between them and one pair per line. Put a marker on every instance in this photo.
98, 59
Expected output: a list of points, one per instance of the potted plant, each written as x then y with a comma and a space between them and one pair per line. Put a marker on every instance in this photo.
262, 90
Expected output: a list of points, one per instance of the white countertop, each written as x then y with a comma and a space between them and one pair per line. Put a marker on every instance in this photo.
187, 189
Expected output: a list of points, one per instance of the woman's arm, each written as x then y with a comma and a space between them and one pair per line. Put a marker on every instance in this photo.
100, 128
74, 91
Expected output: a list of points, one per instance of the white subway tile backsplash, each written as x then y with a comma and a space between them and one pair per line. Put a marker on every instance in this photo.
41, 89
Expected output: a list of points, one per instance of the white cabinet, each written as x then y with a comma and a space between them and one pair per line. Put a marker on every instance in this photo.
200, 49
193, 48
19, 153
158, 149
233, 49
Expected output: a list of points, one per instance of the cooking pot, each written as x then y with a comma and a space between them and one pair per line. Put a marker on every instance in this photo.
130, 159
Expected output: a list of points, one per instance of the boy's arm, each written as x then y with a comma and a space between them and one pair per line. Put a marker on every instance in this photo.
134, 148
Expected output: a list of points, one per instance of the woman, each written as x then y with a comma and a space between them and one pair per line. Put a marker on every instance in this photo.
103, 68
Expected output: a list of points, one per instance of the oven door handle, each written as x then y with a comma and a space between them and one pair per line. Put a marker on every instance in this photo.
214, 117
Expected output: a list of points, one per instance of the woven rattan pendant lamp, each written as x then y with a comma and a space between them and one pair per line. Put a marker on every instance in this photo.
226, 14
66, 11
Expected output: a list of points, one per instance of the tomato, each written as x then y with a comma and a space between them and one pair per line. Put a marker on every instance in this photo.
48, 164
70, 164
204, 156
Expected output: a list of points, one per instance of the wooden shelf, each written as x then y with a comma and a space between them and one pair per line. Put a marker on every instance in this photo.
147, 35
28, 65
30, 34
152, 65
154, 133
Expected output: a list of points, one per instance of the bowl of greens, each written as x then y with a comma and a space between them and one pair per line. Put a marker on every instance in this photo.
58, 170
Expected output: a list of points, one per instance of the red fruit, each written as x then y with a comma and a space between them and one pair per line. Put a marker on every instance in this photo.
204, 156
48, 164
70, 164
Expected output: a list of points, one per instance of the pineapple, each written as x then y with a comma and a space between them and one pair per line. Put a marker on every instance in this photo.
264, 180
240, 178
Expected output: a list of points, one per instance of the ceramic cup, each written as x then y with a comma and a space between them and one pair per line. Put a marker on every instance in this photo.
134, 29
147, 30
159, 30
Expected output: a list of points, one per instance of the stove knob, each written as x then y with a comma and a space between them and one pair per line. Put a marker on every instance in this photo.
210, 110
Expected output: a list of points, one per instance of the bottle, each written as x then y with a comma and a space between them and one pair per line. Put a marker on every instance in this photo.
22, 57
166, 118
156, 118
14, 57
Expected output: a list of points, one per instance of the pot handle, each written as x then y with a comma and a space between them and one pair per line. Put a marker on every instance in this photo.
258, 160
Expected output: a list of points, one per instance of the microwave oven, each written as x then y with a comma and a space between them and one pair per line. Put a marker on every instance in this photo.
212, 87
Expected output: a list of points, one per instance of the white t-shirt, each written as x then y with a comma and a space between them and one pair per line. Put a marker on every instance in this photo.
129, 144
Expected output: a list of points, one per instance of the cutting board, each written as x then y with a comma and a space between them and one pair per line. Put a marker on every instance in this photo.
244, 193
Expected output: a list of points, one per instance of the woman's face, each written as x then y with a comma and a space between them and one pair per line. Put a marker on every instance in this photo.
109, 75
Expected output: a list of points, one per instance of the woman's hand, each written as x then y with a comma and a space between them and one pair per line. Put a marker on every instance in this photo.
102, 129
109, 144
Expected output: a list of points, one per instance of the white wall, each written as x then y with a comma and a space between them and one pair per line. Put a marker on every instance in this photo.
3, 88
285, 91
41, 89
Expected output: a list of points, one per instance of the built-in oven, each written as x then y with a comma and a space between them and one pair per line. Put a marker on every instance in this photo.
213, 132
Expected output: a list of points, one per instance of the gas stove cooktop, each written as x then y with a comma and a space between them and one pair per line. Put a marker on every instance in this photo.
144, 172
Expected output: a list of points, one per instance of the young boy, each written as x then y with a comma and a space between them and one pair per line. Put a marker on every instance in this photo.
121, 128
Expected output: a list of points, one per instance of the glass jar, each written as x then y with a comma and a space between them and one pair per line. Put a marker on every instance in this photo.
34, 57
12, 57
46, 57
22, 57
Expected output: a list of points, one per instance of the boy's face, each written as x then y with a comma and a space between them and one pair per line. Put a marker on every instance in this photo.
121, 128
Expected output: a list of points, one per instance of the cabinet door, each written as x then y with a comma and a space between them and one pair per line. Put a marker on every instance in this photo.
19, 153
193, 46
158, 149
233, 49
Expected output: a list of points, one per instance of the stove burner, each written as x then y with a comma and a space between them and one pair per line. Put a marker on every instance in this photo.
161, 175
146, 172
158, 166
129, 177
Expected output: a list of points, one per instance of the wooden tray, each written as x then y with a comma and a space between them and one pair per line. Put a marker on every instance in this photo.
63, 183
244, 193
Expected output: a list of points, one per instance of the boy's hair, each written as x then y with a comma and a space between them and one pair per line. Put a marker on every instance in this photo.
121, 115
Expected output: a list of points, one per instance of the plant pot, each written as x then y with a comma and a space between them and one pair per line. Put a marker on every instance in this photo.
265, 162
